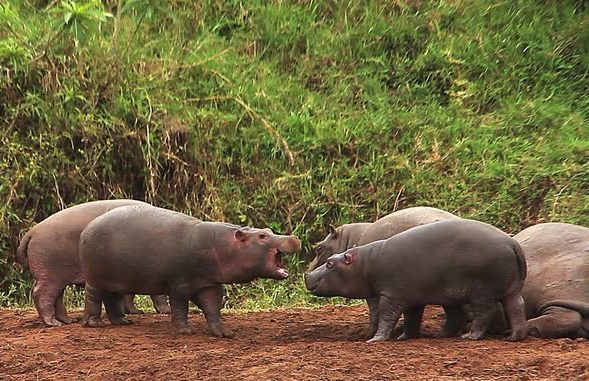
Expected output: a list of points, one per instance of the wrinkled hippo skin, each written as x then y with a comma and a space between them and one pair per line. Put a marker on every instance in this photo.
556, 291
50, 251
149, 250
448, 263
358, 234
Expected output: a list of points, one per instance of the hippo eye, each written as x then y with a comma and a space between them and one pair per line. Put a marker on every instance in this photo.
329, 264
262, 236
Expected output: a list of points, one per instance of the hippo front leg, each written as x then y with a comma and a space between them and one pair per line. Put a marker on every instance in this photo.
179, 312
389, 312
210, 301
373, 310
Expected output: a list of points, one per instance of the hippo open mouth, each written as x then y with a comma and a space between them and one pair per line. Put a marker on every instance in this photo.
276, 264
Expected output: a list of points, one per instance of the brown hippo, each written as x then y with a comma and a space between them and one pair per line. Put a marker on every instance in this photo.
149, 250
50, 250
346, 236
556, 291
448, 263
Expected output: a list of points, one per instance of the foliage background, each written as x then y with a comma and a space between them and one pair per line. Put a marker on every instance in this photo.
292, 114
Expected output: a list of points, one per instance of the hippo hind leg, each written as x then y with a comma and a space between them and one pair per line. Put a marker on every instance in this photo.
61, 311
515, 311
160, 303
483, 311
92, 307
412, 323
557, 322
45, 297
129, 305
113, 303
455, 320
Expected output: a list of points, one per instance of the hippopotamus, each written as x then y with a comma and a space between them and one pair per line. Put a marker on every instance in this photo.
556, 291
448, 263
358, 234
347, 236
50, 251
149, 250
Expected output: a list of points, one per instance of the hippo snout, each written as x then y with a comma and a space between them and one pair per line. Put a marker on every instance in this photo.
289, 244
311, 281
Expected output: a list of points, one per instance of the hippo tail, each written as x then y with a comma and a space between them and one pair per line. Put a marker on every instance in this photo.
521, 260
21, 251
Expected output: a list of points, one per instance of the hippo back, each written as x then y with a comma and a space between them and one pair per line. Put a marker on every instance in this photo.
402, 220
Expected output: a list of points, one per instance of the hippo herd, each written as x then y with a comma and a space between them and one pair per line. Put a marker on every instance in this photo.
536, 282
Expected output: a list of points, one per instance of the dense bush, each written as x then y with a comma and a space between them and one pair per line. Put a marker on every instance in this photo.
293, 114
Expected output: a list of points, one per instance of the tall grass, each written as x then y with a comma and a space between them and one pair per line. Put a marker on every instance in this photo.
293, 114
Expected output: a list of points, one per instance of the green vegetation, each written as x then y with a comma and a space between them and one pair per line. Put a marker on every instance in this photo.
293, 114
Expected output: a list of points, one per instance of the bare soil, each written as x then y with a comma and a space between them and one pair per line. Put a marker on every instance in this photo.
297, 344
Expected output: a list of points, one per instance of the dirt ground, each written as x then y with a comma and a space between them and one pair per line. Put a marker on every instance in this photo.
297, 344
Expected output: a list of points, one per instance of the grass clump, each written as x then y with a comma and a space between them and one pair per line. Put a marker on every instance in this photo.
293, 114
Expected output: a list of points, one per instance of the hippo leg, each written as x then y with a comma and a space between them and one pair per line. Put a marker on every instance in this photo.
483, 312
515, 311
113, 303
455, 321
129, 305
45, 295
179, 312
389, 312
92, 307
210, 301
412, 323
557, 322
160, 303
373, 309
61, 310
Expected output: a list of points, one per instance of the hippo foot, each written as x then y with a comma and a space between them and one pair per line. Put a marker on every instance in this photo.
404, 336
184, 330
92, 322
164, 310
518, 335
472, 336
376, 339
121, 321
218, 330
53, 322
65, 319
133, 311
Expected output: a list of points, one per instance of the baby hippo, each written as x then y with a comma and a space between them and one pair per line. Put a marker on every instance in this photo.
147, 250
447, 263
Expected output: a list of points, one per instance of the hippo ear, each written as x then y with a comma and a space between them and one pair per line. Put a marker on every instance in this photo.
331, 229
349, 257
240, 235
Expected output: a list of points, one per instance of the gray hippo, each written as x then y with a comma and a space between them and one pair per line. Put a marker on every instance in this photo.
358, 234
448, 263
50, 251
347, 236
556, 291
149, 250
